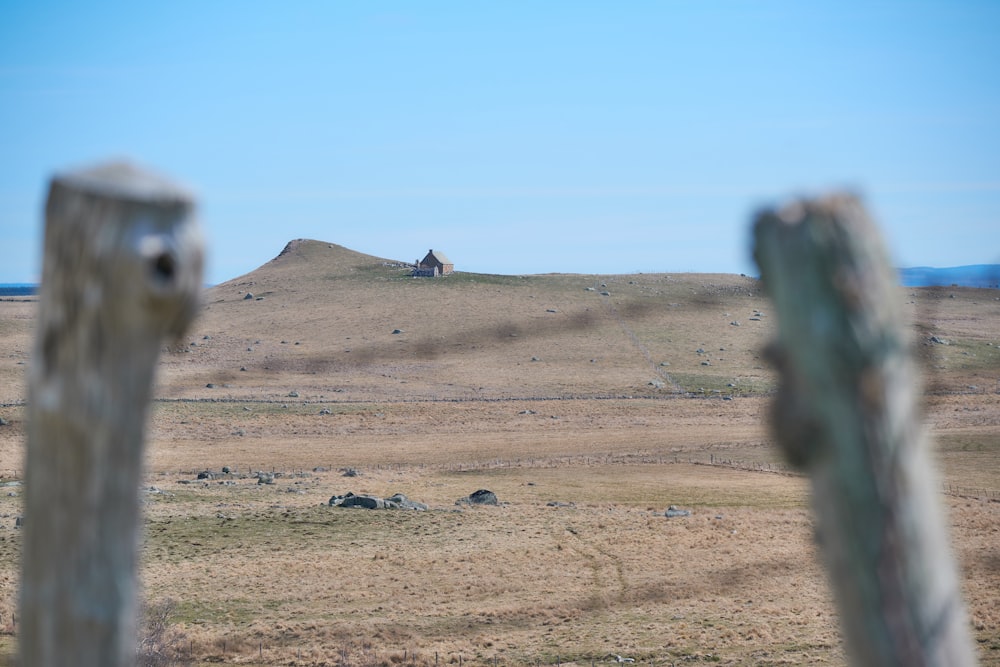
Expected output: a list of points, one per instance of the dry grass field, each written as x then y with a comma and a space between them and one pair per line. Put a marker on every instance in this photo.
588, 414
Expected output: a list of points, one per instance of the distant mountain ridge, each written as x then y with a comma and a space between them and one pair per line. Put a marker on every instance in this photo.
18, 289
973, 275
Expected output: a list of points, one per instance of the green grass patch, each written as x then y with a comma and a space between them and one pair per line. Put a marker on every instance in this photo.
705, 383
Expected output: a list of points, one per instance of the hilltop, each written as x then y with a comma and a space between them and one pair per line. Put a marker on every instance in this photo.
326, 320
332, 319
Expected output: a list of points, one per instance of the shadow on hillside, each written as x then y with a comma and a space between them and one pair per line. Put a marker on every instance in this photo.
433, 347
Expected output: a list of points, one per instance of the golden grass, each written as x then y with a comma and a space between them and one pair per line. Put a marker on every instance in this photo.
616, 419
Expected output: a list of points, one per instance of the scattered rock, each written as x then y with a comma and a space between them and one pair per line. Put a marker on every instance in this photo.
399, 501
480, 497
397, 331
364, 501
939, 341
3, 422
349, 472
674, 511
293, 394
325, 411
265, 478
248, 297
209, 386
206, 474
551, 310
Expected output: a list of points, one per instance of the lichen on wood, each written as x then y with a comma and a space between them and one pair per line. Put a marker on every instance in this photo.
848, 413
121, 275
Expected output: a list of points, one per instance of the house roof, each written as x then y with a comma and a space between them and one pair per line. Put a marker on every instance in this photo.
438, 256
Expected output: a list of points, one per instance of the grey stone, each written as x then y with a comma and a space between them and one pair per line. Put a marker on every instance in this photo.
398, 500
480, 497
364, 502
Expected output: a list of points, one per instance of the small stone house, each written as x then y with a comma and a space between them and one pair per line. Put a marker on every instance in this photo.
434, 264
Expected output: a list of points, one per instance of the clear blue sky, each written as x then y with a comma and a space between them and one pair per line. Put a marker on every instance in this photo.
517, 137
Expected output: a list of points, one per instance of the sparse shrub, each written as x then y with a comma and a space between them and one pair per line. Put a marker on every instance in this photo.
158, 643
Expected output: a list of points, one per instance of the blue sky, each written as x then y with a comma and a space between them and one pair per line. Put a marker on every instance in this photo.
517, 137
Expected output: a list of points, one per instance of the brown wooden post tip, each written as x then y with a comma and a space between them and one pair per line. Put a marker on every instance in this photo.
847, 413
121, 273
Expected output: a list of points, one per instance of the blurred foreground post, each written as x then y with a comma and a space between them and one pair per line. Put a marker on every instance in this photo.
121, 273
847, 413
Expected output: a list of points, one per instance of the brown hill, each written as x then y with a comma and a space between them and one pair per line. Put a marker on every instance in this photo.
325, 319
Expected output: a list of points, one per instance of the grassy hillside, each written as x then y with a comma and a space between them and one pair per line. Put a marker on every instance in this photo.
602, 394
327, 319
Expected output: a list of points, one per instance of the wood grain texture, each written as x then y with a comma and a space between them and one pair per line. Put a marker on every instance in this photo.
121, 274
848, 414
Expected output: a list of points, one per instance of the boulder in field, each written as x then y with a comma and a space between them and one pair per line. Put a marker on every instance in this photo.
399, 501
674, 511
480, 497
364, 501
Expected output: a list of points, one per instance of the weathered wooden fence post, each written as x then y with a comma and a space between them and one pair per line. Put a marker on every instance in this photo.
848, 414
121, 274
